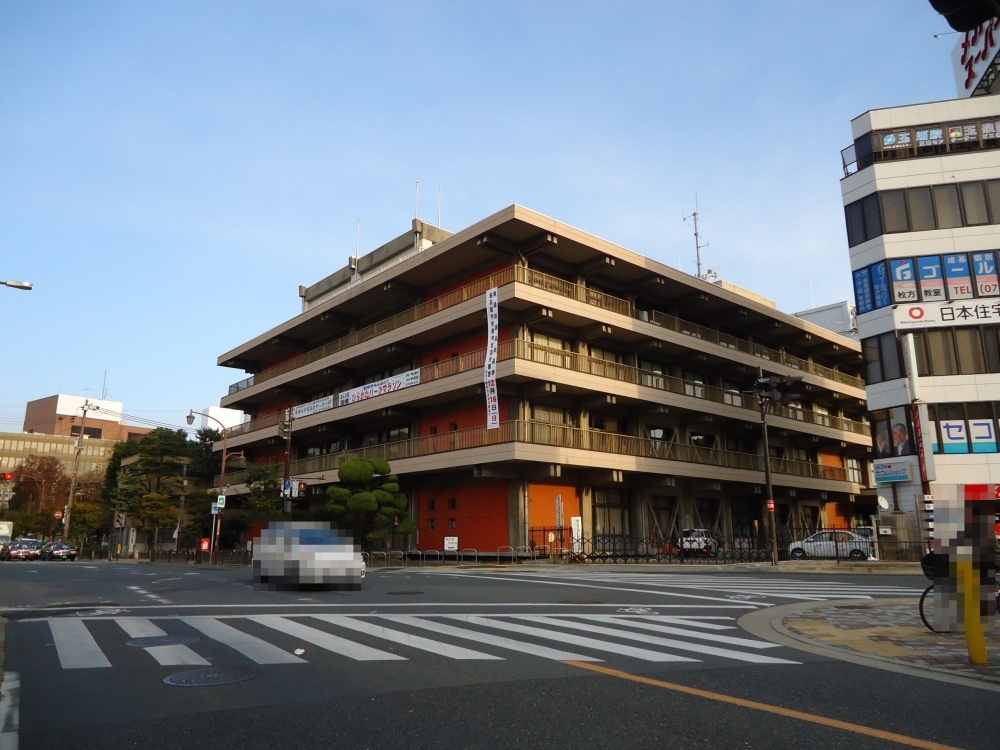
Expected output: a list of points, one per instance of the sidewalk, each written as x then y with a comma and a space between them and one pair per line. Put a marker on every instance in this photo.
883, 633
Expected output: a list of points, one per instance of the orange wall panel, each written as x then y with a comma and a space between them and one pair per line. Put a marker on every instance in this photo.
542, 504
480, 516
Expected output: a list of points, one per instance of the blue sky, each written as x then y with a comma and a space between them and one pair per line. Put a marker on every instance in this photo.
171, 172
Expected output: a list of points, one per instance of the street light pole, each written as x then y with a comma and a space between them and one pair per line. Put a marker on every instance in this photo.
772, 526
27, 286
217, 518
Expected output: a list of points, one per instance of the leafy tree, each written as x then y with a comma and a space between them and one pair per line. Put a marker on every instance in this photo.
205, 462
127, 495
89, 519
156, 511
368, 496
264, 488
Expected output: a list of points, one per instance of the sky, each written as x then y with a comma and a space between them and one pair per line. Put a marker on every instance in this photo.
172, 171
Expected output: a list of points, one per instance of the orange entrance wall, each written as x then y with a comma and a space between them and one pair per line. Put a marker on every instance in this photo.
479, 515
542, 505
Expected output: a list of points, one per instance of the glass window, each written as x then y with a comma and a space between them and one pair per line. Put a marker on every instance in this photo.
941, 353
856, 223
920, 348
889, 350
974, 204
946, 208
920, 209
991, 344
873, 222
993, 196
894, 211
969, 347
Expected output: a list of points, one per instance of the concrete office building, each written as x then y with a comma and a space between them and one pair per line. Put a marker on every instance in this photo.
921, 194
520, 374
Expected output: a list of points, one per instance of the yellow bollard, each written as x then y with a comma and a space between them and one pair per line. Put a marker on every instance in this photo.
968, 590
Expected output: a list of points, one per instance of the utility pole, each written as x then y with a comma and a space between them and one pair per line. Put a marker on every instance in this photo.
285, 430
76, 469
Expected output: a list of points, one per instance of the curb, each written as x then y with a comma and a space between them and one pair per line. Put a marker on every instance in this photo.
768, 624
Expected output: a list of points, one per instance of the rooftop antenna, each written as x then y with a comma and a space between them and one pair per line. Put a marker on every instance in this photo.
697, 241
104, 387
357, 248
416, 203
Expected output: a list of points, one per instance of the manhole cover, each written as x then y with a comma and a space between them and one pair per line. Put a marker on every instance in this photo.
580, 601
403, 593
162, 640
210, 676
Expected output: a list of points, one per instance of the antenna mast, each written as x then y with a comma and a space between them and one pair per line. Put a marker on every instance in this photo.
697, 242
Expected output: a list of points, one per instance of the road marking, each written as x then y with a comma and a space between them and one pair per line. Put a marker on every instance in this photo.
255, 649
901, 739
166, 656
325, 640
75, 645
494, 640
576, 640
10, 693
699, 648
414, 641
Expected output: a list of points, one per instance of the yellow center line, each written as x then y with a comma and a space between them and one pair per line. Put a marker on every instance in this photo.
901, 739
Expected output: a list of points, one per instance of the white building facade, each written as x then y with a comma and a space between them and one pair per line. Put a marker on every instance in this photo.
921, 196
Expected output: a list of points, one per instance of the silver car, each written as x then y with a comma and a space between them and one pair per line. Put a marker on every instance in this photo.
306, 554
830, 544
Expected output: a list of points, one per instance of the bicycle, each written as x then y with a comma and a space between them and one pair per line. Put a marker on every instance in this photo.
927, 621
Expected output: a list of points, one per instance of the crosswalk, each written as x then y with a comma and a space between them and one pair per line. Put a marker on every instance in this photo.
268, 639
732, 587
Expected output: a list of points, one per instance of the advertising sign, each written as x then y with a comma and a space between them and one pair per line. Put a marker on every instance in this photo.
880, 285
864, 298
451, 544
904, 284
958, 275
892, 471
937, 314
984, 266
973, 54
954, 436
378, 388
983, 435
931, 278
490, 366
321, 404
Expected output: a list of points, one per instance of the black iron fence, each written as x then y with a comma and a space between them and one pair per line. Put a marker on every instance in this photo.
197, 557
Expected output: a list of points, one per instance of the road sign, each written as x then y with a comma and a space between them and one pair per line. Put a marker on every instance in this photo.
221, 501
770, 506
215, 509
58, 514
119, 520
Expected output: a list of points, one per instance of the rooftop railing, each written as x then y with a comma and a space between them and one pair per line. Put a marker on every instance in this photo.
562, 288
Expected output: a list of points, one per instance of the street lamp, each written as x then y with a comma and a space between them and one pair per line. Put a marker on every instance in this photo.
772, 390
222, 474
13, 284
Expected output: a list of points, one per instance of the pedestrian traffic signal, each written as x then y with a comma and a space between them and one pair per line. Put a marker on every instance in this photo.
302, 489
777, 390
8, 476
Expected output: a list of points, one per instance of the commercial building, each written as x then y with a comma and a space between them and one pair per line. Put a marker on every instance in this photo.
523, 377
921, 195
71, 415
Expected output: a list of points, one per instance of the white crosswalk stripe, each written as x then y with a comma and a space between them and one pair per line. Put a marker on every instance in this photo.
560, 637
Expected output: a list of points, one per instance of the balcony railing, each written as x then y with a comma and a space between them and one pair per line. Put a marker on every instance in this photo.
560, 436
562, 288
602, 368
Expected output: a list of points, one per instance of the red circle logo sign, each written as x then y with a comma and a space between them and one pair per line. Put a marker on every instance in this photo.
916, 313
58, 514
770, 505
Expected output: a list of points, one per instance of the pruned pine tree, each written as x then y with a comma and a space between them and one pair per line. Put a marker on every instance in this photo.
369, 499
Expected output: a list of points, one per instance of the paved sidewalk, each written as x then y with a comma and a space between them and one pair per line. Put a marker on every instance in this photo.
887, 633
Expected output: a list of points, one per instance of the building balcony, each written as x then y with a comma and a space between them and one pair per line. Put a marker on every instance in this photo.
725, 345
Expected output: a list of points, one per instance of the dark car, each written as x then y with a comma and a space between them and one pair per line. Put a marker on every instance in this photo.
57, 551
23, 550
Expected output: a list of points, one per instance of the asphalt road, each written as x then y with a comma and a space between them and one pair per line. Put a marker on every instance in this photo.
560, 657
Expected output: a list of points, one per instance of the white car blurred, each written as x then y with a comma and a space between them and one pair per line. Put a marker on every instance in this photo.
306, 554
698, 542
845, 544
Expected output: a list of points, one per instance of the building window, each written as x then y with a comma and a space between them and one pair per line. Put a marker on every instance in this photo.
451, 503
430, 524
451, 524
430, 504
894, 211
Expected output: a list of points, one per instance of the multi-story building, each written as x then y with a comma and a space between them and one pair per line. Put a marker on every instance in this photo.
71, 415
922, 199
521, 373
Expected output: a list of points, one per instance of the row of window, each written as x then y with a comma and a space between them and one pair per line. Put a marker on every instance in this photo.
926, 140
967, 350
926, 278
918, 209
964, 428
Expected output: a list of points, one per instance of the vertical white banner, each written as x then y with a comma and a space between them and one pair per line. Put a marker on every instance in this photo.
490, 367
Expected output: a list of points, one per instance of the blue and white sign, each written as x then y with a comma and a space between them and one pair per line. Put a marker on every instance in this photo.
959, 275
904, 283
983, 435
863, 297
984, 266
892, 471
881, 286
931, 278
954, 436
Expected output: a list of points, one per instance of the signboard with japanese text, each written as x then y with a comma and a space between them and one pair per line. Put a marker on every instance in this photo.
938, 314
984, 267
958, 275
864, 298
904, 284
931, 278
930, 137
897, 139
380, 387
451, 544
321, 404
973, 55
490, 365
954, 436
880, 285
892, 471
983, 435
963, 133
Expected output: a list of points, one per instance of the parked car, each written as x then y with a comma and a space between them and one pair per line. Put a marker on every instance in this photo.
27, 549
698, 542
828, 544
57, 551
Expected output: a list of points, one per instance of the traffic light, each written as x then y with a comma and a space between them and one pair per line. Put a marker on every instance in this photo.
302, 489
8, 476
965, 15
777, 390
